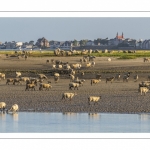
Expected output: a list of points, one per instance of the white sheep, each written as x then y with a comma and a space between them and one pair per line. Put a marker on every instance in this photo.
73, 85
94, 99
14, 108
109, 59
2, 75
47, 86
2, 106
68, 95
143, 90
18, 74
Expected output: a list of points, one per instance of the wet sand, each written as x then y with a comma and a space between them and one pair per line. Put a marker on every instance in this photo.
118, 97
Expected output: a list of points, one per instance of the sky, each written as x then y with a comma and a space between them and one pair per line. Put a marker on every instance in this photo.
25, 29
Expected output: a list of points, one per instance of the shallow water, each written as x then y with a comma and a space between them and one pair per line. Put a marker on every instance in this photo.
32, 122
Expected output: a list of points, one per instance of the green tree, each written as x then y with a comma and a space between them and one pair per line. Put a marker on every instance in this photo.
83, 42
75, 43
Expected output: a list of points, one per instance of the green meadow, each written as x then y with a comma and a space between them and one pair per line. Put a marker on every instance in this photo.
119, 55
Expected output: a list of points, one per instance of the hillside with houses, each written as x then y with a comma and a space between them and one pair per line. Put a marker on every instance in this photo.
118, 42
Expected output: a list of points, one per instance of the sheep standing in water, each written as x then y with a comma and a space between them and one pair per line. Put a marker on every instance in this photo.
14, 108
2, 106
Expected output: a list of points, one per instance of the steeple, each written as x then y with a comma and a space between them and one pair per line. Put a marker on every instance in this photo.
122, 35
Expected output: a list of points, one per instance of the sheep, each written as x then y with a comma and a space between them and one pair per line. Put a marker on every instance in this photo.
88, 65
53, 66
14, 108
52, 61
144, 84
30, 86
146, 59
81, 81
95, 81
94, 99
2, 75
73, 72
56, 79
18, 74
2, 106
47, 61
42, 76
82, 73
16, 80
68, 95
111, 79
98, 76
109, 59
56, 74
76, 66
143, 90
136, 78
47, 86
91, 58
72, 77
118, 76
93, 64
24, 79
9, 80
59, 66
73, 85
125, 78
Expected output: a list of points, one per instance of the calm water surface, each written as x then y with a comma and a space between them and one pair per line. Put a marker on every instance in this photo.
31, 122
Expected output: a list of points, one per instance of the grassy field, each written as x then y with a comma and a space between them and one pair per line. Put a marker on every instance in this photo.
119, 55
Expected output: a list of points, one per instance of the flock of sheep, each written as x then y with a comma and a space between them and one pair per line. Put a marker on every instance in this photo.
75, 82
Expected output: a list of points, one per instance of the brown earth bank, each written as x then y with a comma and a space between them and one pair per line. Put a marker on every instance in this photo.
118, 97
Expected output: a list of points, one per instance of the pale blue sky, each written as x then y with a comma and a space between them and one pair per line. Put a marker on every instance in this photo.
69, 28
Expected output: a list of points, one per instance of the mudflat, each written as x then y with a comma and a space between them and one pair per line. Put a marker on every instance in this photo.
117, 97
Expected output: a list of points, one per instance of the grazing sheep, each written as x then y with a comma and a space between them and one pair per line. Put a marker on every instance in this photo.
82, 73
16, 80
52, 61
146, 59
14, 108
18, 74
30, 86
118, 76
144, 84
24, 79
88, 64
73, 72
136, 78
93, 64
47, 61
2, 106
95, 81
125, 78
47, 86
98, 76
9, 80
2, 75
73, 85
143, 90
68, 95
81, 81
91, 58
76, 66
109, 59
42, 76
111, 79
94, 99
56, 79
72, 77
